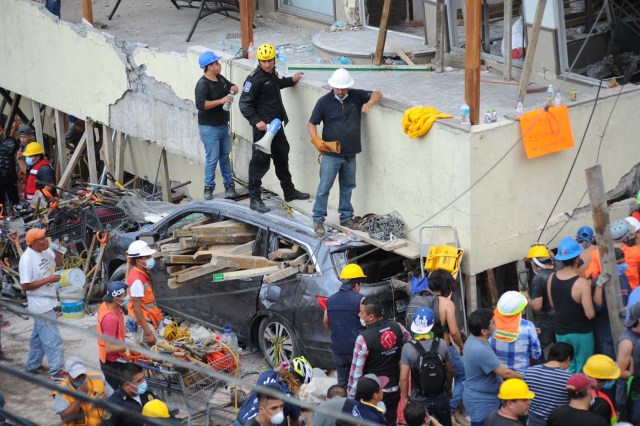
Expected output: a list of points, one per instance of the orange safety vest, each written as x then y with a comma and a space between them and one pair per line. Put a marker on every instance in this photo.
150, 310
30, 186
632, 259
598, 394
507, 327
88, 415
120, 333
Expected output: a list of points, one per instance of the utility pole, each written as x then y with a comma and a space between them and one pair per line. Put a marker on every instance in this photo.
600, 212
473, 26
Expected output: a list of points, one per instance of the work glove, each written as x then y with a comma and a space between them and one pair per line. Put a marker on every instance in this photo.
323, 146
603, 279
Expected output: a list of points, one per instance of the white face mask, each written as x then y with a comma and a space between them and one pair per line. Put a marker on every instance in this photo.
364, 324
341, 99
381, 406
277, 418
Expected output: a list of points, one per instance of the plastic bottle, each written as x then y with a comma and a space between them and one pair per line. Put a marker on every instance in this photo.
227, 106
573, 96
487, 116
550, 93
519, 106
251, 54
557, 99
283, 62
494, 115
230, 339
465, 113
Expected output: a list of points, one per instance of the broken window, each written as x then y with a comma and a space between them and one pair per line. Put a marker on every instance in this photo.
319, 10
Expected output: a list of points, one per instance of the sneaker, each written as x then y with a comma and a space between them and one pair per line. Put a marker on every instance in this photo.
40, 370
318, 227
208, 194
351, 224
230, 191
58, 377
258, 205
296, 195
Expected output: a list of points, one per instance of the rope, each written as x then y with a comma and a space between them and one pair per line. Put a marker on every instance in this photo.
173, 333
74, 261
387, 227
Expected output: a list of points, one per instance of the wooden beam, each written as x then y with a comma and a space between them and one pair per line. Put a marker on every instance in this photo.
280, 275
492, 285
15, 107
382, 33
508, 12
87, 11
240, 237
246, 24
471, 293
37, 122
196, 272
600, 213
284, 253
91, 151
401, 53
121, 144
183, 259
164, 176
440, 39
66, 176
108, 140
61, 146
213, 229
246, 248
249, 273
531, 49
472, 60
238, 261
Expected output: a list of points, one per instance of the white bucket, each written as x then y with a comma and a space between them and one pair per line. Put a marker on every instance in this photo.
72, 302
72, 278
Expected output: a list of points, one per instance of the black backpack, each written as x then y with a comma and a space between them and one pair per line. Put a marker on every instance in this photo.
430, 377
426, 299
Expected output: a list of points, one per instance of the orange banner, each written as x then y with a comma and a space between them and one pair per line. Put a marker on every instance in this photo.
546, 131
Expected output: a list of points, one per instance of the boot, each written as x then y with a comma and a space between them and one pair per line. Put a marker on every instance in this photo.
256, 204
208, 193
294, 194
230, 191
318, 227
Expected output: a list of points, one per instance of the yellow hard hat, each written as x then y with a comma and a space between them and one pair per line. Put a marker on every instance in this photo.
537, 251
601, 367
515, 389
33, 148
266, 52
156, 409
352, 271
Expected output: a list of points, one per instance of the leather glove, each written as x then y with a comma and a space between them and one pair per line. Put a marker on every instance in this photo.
603, 279
323, 146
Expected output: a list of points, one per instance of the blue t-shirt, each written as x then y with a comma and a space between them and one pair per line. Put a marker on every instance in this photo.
249, 409
481, 385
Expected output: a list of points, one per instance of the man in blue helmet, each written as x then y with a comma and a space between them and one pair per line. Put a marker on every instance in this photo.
586, 237
213, 96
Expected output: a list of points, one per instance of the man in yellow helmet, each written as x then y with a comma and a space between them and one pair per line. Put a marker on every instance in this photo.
341, 317
38, 168
515, 399
260, 104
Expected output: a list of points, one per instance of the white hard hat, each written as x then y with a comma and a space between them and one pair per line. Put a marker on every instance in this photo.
139, 248
635, 223
511, 303
341, 79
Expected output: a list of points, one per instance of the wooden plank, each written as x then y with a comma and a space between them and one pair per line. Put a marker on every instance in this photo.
382, 33
188, 243
472, 60
108, 140
280, 275
238, 261
508, 12
183, 259
440, 36
246, 24
213, 229
197, 272
210, 251
121, 144
91, 151
174, 270
284, 253
166, 241
242, 237
401, 53
61, 146
249, 273
165, 181
87, 11
301, 260
37, 122
66, 176
246, 248
493, 287
531, 49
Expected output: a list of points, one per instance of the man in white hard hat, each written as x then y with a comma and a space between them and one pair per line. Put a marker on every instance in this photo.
143, 301
340, 113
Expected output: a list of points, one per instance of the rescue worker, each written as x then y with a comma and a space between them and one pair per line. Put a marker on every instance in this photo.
131, 396
38, 168
111, 323
143, 302
628, 353
576, 413
260, 104
605, 372
586, 237
74, 411
515, 400
8, 173
341, 317
26, 134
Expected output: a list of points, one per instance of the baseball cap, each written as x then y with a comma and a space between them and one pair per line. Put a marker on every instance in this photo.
115, 289
423, 321
370, 384
382, 381
580, 383
75, 367
634, 315
34, 234
25, 129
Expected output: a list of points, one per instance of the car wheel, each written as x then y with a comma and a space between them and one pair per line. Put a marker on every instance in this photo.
119, 273
277, 340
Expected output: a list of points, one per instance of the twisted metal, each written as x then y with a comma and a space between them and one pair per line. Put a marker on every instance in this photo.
388, 227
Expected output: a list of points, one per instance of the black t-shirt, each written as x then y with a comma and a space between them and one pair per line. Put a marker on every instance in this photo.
569, 416
544, 318
341, 120
495, 419
209, 90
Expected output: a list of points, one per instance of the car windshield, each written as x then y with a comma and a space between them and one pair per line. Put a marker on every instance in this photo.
378, 265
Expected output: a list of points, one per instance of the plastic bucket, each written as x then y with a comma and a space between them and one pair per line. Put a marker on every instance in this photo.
72, 278
72, 302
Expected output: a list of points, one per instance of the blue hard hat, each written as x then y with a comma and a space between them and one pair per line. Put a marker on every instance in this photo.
568, 249
207, 58
619, 229
585, 233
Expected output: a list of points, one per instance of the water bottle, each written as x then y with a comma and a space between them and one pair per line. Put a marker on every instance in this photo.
557, 99
283, 62
227, 106
494, 115
550, 93
230, 339
487, 116
465, 113
251, 54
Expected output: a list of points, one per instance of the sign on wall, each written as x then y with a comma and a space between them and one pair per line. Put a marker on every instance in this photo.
546, 131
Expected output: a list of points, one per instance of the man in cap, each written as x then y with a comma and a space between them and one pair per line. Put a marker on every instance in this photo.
213, 91
111, 323
143, 301
8, 173
368, 402
74, 411
340, 113
341, 317
515, 400
428, 361
38, 169
579, 388
132, 394
515, 339
570, 296
260, 104
26, 134
37, 279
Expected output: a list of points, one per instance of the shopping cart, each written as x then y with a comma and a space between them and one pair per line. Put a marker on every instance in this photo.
101, 218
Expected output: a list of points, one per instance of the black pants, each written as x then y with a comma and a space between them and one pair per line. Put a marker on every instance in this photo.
343, 366
9, 190
259, 164
391, 401
110, 370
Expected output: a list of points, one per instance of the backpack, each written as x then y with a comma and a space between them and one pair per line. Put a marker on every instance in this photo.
426, 299
430, 377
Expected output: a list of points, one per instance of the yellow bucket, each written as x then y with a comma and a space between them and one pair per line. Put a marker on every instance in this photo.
444, 257
72, 278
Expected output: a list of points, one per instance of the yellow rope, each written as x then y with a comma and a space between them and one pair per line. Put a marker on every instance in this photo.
174, 333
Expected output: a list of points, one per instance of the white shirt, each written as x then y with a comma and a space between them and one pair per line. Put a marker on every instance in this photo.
35, 266
136, 289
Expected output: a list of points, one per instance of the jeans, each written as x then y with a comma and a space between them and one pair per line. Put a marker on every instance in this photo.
259, 164
217, 147
343, 366
45, 340
458, 376
438, 407
53, 6
330, 167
